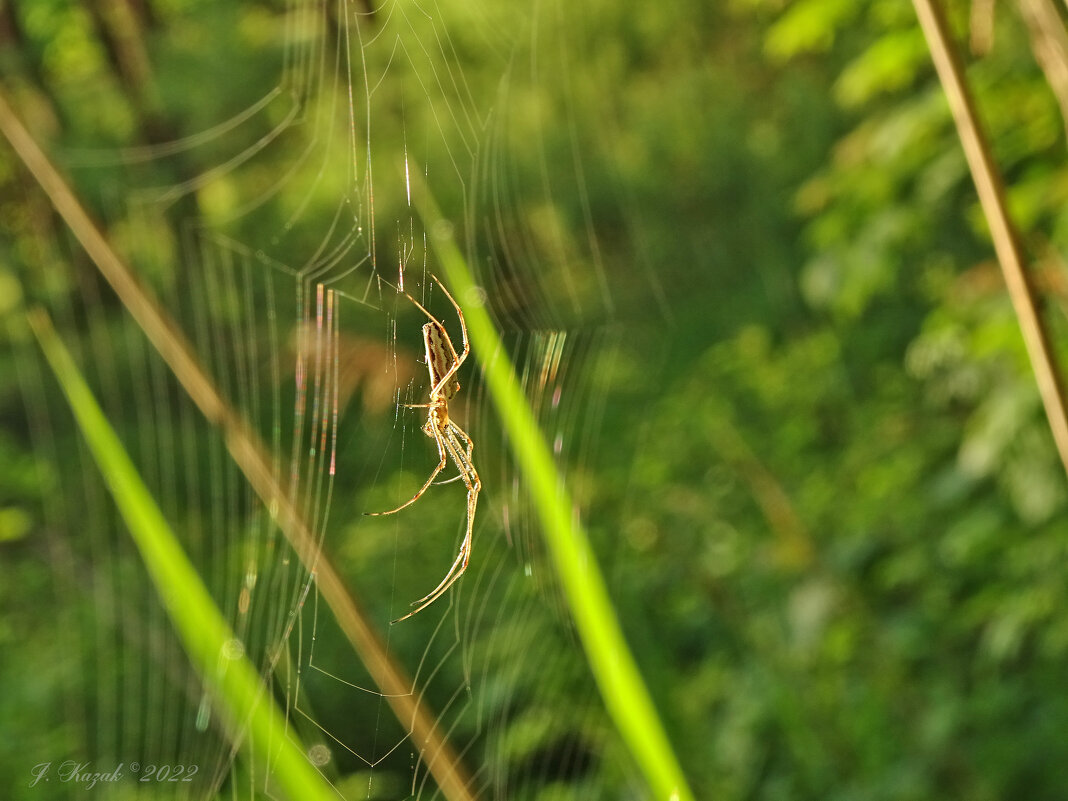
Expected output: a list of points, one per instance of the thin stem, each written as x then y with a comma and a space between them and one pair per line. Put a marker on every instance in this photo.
991, 192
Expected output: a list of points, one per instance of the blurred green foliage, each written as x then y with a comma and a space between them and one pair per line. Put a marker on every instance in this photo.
812, 457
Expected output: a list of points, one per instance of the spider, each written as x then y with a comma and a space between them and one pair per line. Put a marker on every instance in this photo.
442, 364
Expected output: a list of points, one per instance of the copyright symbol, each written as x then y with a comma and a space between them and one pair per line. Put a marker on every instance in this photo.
135, 766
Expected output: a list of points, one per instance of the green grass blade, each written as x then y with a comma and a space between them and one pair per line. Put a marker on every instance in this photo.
621, 684
253, 720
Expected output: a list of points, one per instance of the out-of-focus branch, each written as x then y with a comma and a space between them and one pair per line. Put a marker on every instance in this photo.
981, 26
1049, 40
249, 453
991, 192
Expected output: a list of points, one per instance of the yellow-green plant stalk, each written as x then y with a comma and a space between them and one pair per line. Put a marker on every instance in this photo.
621, 684
249, 711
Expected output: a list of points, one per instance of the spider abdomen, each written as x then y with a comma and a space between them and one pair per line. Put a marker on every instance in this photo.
440, 358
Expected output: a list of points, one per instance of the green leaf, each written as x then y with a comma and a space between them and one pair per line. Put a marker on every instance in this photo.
808, 26
889, 64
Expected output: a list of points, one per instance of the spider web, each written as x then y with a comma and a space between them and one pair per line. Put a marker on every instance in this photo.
279, 244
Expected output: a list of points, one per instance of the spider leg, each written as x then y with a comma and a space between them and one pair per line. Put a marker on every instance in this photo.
457, 477
459, 432
454, 574
467, 471
455, 432
455, 429
470, 450
474, 485
441, 466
